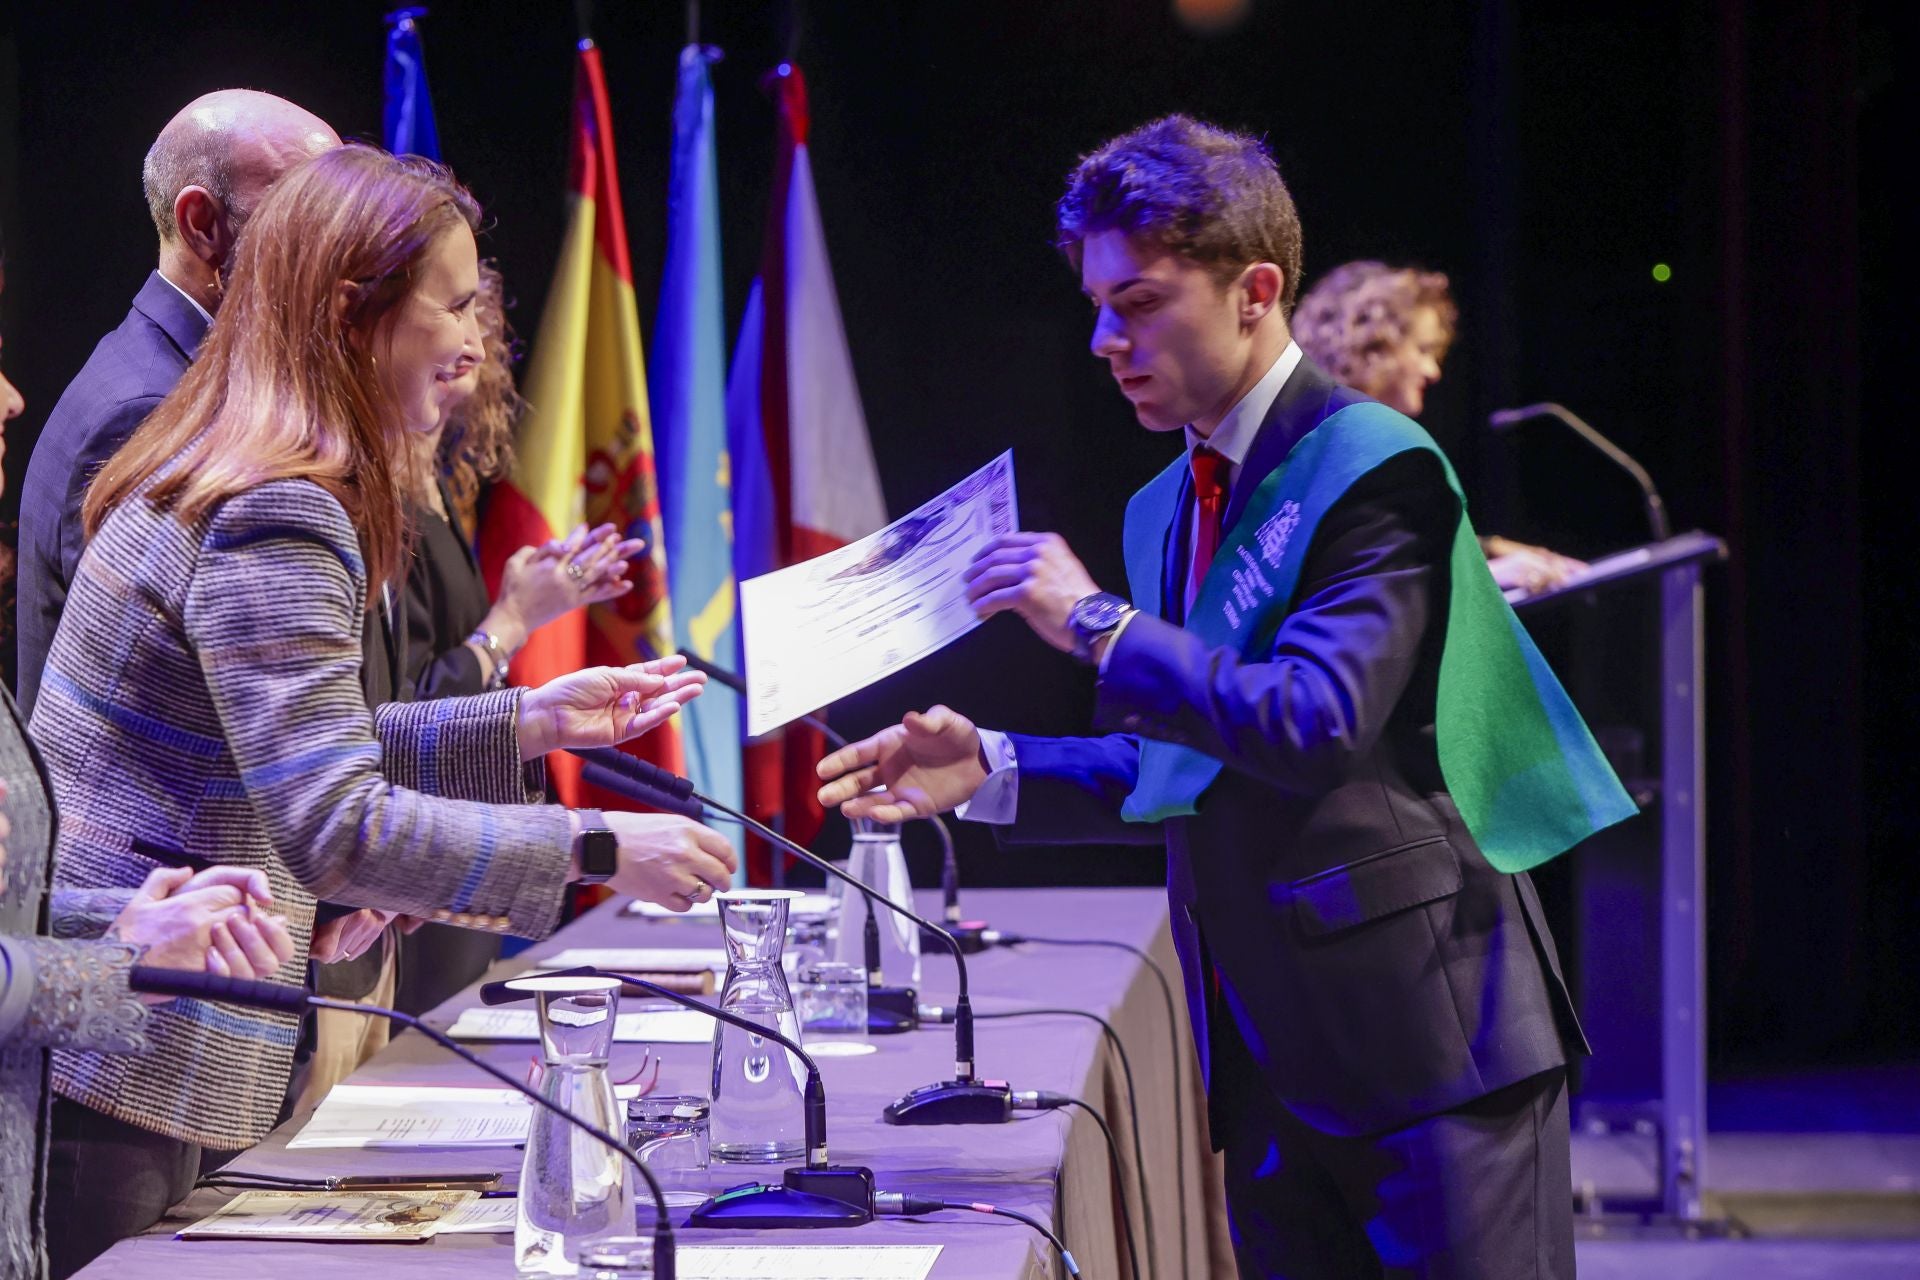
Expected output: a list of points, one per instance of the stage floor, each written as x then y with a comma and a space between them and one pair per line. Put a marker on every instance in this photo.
1820, 1169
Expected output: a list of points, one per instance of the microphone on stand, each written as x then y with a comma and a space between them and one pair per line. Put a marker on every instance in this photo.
286, 999
1502, 420
949, 862
889, 1009
818, 1195
963, 1100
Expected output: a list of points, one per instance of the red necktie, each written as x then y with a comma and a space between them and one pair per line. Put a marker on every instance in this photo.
1210, 503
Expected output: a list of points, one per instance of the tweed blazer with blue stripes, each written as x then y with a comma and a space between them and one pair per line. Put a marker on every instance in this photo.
202, 703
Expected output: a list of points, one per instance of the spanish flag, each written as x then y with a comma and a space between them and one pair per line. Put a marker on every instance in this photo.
585, 449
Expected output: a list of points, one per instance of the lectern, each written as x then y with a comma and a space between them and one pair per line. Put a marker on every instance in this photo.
1676, 564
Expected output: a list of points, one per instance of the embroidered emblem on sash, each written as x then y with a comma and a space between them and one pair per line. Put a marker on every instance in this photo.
1272, 536
1250, 585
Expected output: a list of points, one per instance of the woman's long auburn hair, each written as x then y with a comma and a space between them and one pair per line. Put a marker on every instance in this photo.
287, 382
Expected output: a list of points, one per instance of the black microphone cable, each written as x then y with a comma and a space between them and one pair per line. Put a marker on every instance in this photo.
1006, 939
1042, 1100
1133, 1108
900, 1204
288, 999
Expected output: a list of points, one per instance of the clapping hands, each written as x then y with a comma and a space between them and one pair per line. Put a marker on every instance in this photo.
208, 922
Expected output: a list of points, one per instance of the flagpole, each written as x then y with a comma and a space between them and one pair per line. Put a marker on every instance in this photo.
790, 11
693, 21
583, 18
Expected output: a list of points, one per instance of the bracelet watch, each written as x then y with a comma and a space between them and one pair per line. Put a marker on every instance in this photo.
496, 653
1095, 616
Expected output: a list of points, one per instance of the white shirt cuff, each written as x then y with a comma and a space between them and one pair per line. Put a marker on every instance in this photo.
998, 799
1113, 639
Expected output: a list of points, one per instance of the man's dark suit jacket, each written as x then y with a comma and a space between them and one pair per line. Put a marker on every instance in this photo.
1373, 964
128, 374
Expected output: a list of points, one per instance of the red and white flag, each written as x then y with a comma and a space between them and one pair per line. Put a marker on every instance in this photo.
804, 480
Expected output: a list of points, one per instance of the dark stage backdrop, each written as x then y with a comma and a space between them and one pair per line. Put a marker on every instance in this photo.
1545, 160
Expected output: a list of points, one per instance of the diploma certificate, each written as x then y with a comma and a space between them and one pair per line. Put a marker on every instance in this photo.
817, 631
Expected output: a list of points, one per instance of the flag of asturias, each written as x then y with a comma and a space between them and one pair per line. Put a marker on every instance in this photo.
804, 477
408, 128
688, 377
585, 448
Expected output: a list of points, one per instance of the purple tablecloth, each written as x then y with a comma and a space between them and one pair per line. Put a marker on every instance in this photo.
1052, 1165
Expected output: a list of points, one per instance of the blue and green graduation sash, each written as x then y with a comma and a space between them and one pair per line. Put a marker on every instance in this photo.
1518, 760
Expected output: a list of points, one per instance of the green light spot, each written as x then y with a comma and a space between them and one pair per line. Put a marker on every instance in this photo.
1662, 272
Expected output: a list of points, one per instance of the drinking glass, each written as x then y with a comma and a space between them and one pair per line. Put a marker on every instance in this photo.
833, 999
669, 1133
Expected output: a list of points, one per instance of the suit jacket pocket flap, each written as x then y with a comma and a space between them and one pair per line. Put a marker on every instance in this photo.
1375, 886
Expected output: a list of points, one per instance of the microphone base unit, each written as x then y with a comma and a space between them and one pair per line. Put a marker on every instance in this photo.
970, 934
891, 1010
831, 1196
954, 1102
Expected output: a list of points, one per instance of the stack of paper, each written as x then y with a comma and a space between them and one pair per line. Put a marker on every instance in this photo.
806, 904
359, 1116
391, 1217
639, 959
672, 1026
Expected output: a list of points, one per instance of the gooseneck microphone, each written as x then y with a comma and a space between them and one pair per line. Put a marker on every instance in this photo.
287, 999
949, 863
607, 769
818, 1195
963, 1100
889, 1009
1502, 420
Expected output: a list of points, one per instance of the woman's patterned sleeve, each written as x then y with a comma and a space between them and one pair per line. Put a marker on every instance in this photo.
86, 913
64, 993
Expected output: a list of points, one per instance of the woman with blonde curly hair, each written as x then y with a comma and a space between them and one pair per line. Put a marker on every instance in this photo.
1385, 330
1379, 329
459, 640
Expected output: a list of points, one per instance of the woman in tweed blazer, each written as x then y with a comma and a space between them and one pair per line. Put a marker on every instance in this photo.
202, 698
64, 958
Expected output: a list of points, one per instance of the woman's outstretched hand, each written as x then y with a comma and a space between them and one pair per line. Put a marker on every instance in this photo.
605, 706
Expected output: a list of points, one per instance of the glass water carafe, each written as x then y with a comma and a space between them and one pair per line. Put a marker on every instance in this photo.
757, 1115
574, 1190
879, 862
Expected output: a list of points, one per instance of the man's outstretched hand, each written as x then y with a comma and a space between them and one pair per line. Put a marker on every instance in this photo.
927, 764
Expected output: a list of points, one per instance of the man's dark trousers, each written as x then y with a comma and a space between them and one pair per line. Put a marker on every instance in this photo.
1476, 1193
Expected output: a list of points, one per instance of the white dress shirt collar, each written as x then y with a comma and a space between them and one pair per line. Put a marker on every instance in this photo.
1234, 436
191, 300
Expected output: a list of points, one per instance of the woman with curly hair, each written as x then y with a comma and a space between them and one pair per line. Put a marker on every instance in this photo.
1385, 330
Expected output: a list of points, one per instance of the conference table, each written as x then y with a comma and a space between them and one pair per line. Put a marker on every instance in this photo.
1050, 1165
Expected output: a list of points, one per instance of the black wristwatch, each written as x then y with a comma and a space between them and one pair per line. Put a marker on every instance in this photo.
1092, 617
596, 850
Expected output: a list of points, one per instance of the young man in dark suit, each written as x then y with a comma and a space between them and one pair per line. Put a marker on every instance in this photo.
206, 171
1321, 705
